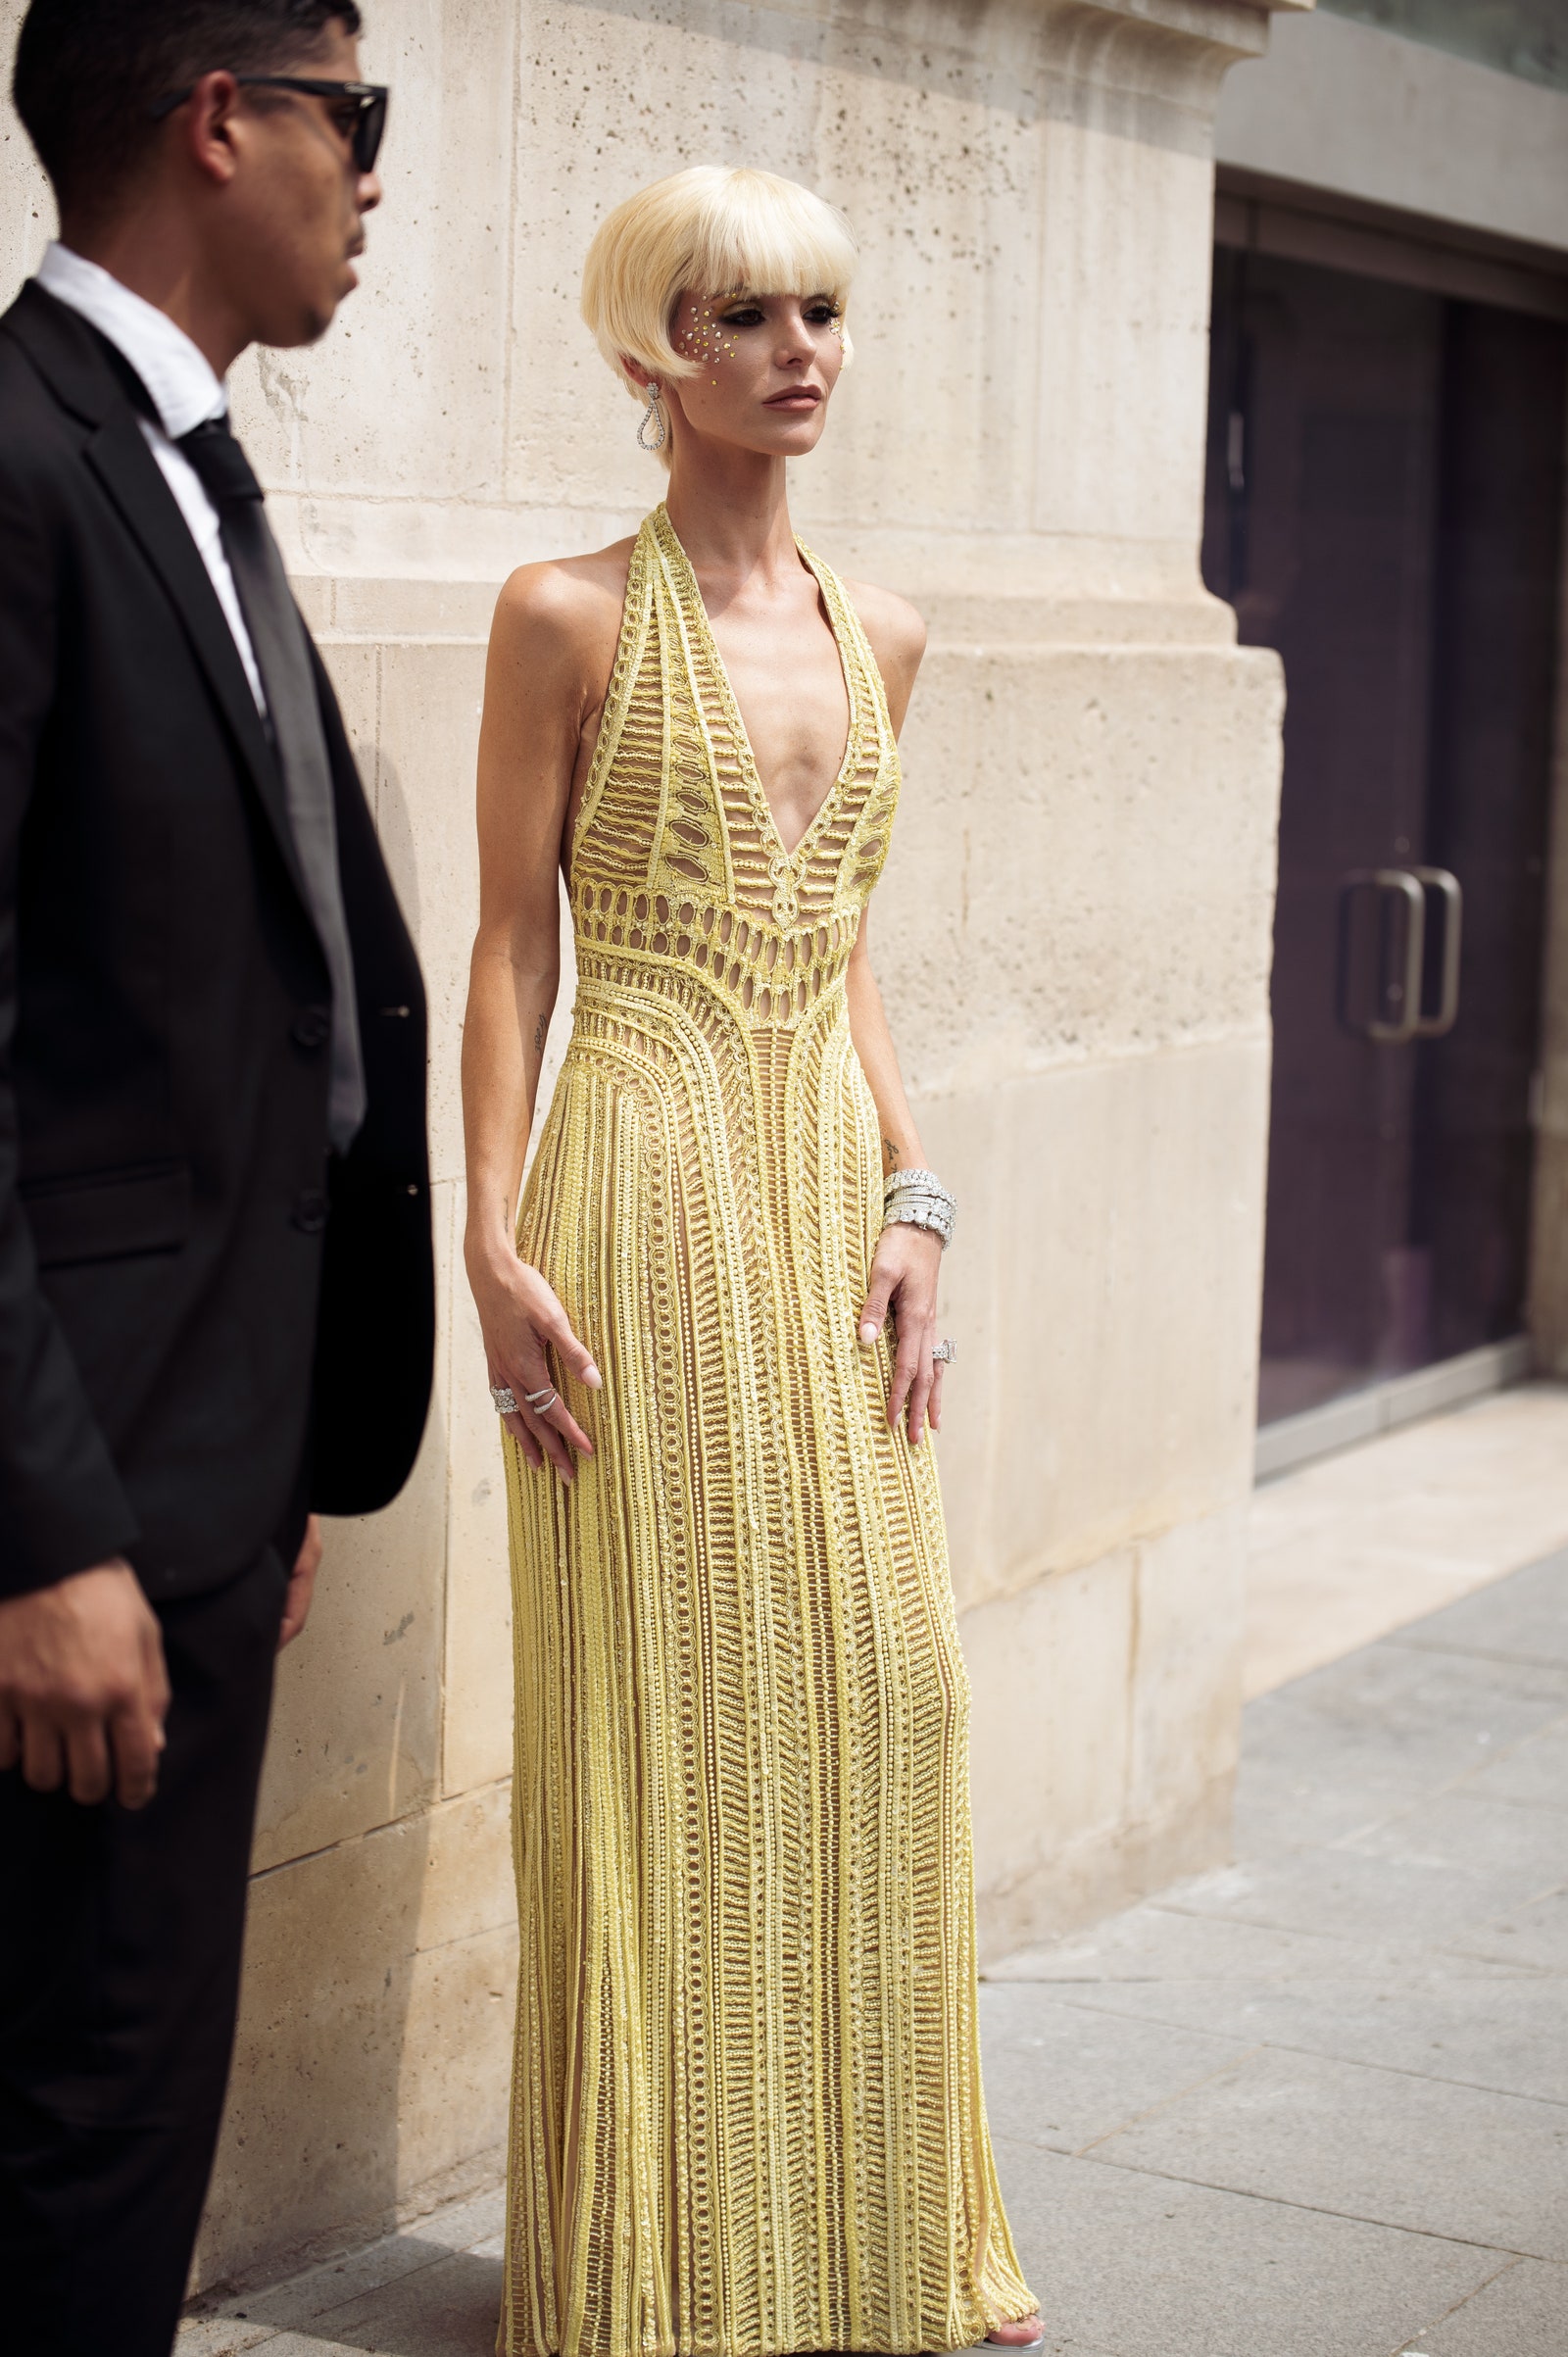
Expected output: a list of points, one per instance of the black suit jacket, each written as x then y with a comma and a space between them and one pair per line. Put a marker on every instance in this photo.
196, 1300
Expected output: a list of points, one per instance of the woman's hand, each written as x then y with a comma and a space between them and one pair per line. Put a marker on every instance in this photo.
520, 1318
301, 1584
903, 1284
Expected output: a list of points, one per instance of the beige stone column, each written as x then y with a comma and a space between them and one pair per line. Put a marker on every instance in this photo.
1073, 936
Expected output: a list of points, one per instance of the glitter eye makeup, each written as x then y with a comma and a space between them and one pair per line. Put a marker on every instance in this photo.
703, 339
713, 330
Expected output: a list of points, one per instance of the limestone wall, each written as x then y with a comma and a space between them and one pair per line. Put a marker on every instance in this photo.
1073, 934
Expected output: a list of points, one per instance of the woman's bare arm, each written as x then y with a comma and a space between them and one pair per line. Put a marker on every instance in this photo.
544, 677
908, 1261
879, 1061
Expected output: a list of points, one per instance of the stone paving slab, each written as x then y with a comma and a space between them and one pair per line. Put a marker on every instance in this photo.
1336, 1750
1342, 1551
1482, 1836
1378, 2145
1520, 2313
1534, 1773
1372, 1898
328, 2291
1161, 1944
448, 2309
1524, 1618
323, 2295
1148, 2266
1509, 2037
1534, 1936
1060, 2077
220, 2335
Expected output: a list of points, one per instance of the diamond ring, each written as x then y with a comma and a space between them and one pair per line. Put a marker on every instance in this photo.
506, 1400
946, 1352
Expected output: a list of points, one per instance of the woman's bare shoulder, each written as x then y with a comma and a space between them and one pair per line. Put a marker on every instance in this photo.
897, 635
564, 607
884, 614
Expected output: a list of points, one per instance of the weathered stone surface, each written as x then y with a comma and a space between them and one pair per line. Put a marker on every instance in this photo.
356, 1721
1375, 2144
1364, 1542
1152, 2266
1526, 1622
1063, 2077
1491, 2030
1523, 2312
373, 2031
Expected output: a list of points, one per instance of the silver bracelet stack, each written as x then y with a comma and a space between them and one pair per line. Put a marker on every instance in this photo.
917, 1198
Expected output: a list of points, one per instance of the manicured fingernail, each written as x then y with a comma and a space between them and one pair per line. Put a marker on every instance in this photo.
592, 1377
868, 1332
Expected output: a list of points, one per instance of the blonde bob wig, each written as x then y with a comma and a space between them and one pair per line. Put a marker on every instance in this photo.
710, 230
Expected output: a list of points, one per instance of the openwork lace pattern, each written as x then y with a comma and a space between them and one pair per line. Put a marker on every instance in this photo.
746, 2114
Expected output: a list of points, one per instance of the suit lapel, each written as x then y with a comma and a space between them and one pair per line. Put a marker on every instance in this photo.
67, 354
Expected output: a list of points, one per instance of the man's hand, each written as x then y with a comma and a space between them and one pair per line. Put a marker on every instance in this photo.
300, 1585
83, 1691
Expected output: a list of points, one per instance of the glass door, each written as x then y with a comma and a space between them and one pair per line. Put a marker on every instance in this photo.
1385, 487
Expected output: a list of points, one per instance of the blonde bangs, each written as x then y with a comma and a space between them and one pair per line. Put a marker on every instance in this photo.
710, 230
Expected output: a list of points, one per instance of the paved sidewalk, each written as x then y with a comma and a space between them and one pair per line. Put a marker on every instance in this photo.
1313, 2105
1342, 1551
1316, 2104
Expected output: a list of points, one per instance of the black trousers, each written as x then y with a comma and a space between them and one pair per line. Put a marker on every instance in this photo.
119, 1952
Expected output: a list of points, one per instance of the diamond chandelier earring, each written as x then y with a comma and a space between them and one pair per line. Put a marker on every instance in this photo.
653, 415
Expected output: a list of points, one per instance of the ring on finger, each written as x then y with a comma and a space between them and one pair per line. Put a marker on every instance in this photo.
945, 1352
542, 1401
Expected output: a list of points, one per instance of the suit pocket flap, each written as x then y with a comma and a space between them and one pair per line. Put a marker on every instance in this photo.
107, 1214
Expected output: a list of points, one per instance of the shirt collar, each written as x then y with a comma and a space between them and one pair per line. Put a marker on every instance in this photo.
180, 380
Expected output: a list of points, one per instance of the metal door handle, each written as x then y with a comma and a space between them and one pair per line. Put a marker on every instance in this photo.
1404, 881
1443, 882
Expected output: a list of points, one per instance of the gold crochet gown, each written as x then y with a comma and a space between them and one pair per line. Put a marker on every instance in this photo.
747, 2113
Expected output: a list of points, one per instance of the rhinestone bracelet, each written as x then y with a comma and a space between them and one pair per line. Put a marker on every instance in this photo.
917, 1198
934, 1217
925, 1179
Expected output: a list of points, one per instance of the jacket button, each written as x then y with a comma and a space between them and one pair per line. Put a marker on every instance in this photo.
308, 1214
311, 1028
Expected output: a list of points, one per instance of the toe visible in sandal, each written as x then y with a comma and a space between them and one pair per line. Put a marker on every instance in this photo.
994, 2341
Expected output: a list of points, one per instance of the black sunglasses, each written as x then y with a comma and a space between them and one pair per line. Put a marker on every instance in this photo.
368, 100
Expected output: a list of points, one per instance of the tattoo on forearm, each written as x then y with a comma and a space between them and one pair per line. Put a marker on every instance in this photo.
891, 1155
539, 1031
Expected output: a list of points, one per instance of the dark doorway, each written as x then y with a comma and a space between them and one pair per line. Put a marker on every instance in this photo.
1385, 489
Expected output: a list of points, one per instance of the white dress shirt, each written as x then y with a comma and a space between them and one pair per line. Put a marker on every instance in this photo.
184, 392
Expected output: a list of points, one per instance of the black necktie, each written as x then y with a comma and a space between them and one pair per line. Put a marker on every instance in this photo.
277, 638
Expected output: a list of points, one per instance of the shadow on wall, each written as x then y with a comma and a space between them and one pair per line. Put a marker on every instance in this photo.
394, 825
373, 2049
312, 2129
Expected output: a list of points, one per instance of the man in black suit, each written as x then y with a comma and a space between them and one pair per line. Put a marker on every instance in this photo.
215, 1304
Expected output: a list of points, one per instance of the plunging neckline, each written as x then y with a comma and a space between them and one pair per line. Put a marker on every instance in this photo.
751, 774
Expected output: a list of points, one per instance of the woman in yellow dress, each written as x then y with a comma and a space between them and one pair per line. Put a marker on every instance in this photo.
746, 2114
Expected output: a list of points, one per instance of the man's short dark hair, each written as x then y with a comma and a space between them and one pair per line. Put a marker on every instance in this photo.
88, 73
